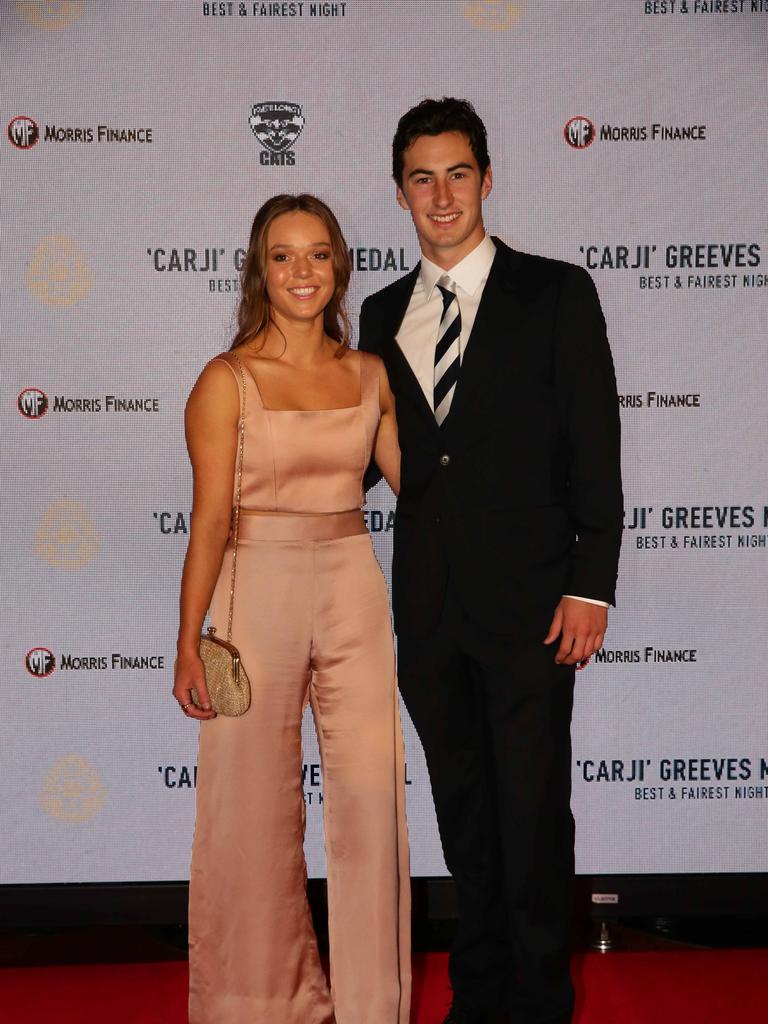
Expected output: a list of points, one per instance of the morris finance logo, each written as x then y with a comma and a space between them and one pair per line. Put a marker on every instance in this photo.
579, 132
23, 132
32, 403
277, 125
40, 662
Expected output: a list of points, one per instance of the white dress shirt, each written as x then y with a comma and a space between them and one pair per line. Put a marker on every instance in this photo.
417, 336
418, 332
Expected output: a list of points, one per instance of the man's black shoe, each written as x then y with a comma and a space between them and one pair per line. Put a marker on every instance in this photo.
460, 1015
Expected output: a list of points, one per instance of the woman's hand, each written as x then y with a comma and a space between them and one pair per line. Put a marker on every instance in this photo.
189, 675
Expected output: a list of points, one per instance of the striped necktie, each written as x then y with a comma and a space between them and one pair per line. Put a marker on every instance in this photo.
447, 352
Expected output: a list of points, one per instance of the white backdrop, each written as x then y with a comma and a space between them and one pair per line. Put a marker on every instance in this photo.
131, 174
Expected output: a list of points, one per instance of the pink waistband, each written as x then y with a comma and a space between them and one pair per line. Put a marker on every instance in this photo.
331, 526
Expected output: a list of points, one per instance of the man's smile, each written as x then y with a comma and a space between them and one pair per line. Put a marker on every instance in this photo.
444, 218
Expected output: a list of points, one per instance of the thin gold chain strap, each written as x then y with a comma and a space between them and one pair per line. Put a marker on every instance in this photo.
236, 509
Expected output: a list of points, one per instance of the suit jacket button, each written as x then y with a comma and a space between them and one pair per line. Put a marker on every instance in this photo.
445, 460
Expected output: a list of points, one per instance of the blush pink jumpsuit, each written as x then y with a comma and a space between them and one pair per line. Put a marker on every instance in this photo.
312, 622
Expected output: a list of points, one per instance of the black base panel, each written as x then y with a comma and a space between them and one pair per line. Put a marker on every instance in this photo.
603, 898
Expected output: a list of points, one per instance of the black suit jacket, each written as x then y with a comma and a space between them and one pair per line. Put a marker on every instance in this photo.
517, 497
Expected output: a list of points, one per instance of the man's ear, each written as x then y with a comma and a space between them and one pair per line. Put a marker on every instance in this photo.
487, 183
402, 202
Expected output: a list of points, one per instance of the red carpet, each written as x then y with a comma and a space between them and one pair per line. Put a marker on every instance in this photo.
618, 988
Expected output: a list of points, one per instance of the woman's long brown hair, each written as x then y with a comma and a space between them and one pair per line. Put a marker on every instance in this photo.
254, 313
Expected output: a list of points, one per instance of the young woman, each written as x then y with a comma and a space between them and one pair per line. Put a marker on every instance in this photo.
311, 621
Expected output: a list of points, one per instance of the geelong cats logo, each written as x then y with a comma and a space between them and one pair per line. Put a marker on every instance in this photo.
277, 125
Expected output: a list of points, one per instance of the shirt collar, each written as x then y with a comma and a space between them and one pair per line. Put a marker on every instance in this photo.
468, 274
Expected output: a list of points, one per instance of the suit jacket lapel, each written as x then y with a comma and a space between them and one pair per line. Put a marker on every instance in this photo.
497, 314
404, 380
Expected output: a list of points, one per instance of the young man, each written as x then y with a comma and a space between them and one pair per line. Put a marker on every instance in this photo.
506, 547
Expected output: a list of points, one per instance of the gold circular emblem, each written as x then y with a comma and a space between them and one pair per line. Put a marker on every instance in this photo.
495, 15
52, 15
66, 535
58, 273
72, 790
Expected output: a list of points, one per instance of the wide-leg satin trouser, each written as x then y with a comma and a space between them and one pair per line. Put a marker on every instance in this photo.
312, 623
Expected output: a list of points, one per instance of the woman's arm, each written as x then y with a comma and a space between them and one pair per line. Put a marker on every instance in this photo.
211, 425
386, 452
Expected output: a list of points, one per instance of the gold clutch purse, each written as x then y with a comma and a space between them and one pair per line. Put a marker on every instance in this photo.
229, 689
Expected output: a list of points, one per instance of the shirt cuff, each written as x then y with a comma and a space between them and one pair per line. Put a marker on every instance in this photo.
588, 600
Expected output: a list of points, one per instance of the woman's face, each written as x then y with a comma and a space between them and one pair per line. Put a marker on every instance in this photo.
300, 279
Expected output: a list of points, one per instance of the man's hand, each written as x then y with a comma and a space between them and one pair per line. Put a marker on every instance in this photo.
581, 627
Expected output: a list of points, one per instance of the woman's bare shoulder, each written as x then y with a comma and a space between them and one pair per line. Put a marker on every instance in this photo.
374, 365
217, 383
217, 364
370, 358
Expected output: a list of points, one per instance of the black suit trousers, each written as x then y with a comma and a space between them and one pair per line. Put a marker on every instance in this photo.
493, 713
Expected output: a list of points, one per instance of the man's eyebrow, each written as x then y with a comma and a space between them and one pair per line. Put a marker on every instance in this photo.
449, 170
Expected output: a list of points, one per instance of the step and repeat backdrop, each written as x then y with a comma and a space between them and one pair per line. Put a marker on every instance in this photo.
139, 139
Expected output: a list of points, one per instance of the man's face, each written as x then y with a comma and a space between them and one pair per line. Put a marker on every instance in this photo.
444, 190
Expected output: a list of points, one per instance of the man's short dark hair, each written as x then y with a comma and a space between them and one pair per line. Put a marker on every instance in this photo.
433, 117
